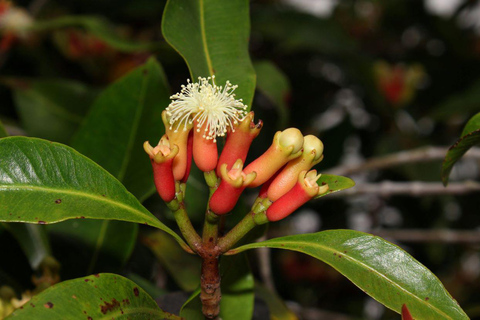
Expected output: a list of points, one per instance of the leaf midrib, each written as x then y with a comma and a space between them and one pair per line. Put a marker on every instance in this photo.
79, 194
325, 248
204, 37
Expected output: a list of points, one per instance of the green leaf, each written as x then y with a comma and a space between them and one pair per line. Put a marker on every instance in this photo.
101, 296
100, 28
3, 132
183, 267
382, 270
124, 116
109, 243
472, 125
273, 83
457, 151
212, 36
335, 183
32, 239
237, 292
276, 306
146, 285
45, 182
51, 109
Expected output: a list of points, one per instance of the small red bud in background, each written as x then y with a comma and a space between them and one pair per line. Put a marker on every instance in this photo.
162, 157
304, 190
238, 141
287, 145
233, 182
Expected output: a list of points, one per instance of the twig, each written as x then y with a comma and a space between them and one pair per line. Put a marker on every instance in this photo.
424, 154
443, 236
415, 189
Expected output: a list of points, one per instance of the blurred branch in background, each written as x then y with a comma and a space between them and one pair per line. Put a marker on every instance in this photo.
424, 154
414, 188
443, 236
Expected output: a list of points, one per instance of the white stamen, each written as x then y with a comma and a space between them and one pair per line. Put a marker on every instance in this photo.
210, 105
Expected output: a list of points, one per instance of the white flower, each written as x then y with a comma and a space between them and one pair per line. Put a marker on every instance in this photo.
212, 107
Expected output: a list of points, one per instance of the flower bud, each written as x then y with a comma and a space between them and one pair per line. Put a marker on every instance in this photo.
233, 182
304, 190
286, 179
406, 313
287, 145
239, 140
178, 135
205, 151
189, 157
162, 157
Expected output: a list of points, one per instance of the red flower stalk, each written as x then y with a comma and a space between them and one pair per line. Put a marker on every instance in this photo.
205, 151
162, 157
178, 136
239, 140
233, 183
286, 146
286, 178
304, 190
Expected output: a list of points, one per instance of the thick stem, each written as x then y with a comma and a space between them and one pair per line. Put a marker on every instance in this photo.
210, 229
210, 294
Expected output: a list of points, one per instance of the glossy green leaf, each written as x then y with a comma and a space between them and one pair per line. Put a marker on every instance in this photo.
100, 28
45, 182
472, 125
382, 270
32, 239
335, 183
124, 116
183, 267
101, 296
273, 83
51, 109
276, 306
3, 132
457, 151
212, 36
237, 292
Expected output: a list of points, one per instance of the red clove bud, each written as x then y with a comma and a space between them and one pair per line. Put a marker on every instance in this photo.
233, 182
162, 157
286, 145
304, 190
239, 140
